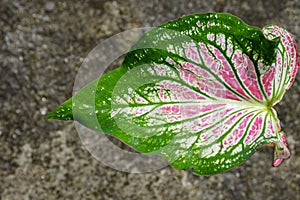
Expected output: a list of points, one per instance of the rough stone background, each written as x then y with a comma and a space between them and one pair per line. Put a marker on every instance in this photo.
42, 45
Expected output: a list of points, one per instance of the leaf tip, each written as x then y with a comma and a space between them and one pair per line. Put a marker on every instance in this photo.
63, 112
50, 115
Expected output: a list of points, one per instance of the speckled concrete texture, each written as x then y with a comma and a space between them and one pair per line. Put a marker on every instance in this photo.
42, 45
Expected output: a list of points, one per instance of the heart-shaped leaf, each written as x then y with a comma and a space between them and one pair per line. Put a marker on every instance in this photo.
198, 90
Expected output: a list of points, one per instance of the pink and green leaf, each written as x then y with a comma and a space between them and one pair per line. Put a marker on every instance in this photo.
198, 90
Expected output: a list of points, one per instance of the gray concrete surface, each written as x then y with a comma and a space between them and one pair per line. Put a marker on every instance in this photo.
42, 44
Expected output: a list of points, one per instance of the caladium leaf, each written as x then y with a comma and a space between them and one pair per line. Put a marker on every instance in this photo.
199, 91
